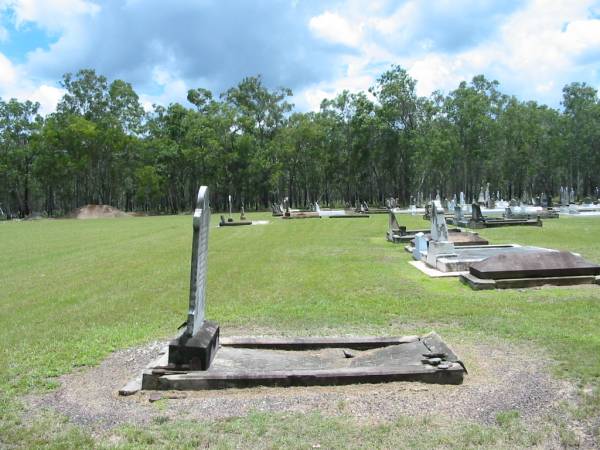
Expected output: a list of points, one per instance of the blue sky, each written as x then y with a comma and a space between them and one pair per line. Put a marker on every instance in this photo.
317, 48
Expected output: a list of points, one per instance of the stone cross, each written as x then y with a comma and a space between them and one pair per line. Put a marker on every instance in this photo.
439, 229
201, 225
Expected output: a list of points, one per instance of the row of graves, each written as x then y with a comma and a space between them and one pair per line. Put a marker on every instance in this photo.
200, 359
570, 206
361, 211
444, 252
230, 222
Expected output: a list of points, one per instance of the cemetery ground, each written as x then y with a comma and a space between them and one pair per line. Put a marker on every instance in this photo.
84, 304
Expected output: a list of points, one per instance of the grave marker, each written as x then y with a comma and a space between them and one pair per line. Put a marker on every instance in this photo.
198, 343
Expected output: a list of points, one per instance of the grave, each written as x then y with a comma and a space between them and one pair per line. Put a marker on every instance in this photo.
339, 213
366, 209
442, 255
277, 210
504, 271
398, 233
288, 214
530, 212
198, 359
232, 223
438, 222
478, 220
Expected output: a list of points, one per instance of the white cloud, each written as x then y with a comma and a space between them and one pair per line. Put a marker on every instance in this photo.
334, 28
532, 51
172, 87
14, 84
53, 15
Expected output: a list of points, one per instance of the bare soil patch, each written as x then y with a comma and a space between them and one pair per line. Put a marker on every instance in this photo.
96, 212
501, 377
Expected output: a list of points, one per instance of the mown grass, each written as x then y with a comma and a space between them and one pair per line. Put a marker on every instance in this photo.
73, 291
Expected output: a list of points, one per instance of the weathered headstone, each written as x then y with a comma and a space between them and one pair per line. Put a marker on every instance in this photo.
476, 214
440, 243
198, 344
458, 214
462, 199
439, 229
481, 198
452, 204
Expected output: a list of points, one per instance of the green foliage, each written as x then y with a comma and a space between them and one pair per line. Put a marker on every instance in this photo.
248, 142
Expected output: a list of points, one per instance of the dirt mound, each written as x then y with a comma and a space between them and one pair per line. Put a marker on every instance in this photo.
96, 212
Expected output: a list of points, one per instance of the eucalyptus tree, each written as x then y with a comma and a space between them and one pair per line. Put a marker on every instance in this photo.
400, 111
473, 108
20, 124
259, 114
582, 113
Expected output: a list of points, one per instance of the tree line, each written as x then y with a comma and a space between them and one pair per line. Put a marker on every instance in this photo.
101, 147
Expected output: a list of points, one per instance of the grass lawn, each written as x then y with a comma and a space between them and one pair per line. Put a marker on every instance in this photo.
71, 292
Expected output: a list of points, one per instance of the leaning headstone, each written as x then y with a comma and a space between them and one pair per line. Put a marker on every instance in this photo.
197, 345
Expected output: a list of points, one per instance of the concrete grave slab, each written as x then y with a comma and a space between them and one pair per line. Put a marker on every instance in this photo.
317, 361
505, 271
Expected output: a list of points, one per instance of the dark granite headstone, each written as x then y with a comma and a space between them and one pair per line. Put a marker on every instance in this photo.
533, 265
476, 214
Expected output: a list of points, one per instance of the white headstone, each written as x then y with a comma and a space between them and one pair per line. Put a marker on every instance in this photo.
420, 246
201, 225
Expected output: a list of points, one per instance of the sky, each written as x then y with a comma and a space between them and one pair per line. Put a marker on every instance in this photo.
317, 48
